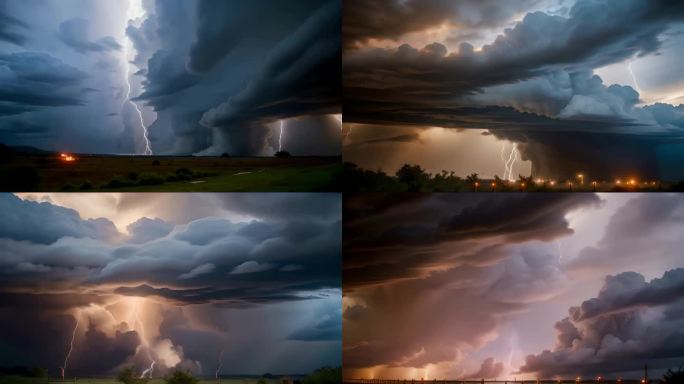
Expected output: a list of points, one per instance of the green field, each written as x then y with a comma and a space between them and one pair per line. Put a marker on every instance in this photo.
47, 173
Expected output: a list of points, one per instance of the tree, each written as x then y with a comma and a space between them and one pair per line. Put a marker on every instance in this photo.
325, 375
474, 180
672, 377
127, 376
181, 377
283, 154
225, 154
414, 176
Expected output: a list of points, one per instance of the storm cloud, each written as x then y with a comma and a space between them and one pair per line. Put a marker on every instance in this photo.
208, 77
469, 287
529, 84
234, 267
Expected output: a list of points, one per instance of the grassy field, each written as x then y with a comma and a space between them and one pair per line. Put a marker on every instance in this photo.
48, 173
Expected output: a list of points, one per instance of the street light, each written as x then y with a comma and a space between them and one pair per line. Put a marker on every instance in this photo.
581, 177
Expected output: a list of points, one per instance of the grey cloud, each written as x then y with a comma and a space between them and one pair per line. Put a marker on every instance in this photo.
44, 223
627, 324
12, 29
158, 262
146, 229
75, 33
33, 80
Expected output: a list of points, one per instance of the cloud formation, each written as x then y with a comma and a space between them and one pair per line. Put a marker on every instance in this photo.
631, 321
531, 84
155, 290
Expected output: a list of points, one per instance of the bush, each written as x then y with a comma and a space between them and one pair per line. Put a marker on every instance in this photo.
283, 154
325, 375
226, 155
86, 186
181, 377
150, 179
127, 376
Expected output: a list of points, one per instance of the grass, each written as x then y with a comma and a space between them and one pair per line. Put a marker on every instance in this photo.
47, 173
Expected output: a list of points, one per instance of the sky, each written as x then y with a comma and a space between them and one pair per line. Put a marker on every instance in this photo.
171, 76
229, 283
560, 86
522, 286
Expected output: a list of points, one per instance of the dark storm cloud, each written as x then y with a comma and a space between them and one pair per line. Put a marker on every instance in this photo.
219, 78
409, 229
466, 255
295, 249
391, 19
300, 77
541, 70
430, 77
630, 322
12, 29
75, 32
220, 284
32, 80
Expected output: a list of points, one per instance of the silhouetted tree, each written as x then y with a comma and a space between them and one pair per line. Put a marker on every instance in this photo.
180, 377
283, 154
414, 176
325, 375
672, 377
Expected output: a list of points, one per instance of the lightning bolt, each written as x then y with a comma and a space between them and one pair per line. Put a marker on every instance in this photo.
560, 251
631, 72
127, 46
220, 364
512, 157
280, 137
71, 346
146, 344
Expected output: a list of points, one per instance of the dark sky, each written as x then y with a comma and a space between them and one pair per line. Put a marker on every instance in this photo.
580, 85
207, 76
512, 286
171, 278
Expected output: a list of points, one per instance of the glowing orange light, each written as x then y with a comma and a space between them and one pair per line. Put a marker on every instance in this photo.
66, 157
522, 185
552, 182
493, 185
632, 182
618, 182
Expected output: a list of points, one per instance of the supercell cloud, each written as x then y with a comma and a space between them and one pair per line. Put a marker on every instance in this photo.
209, 77
528, 72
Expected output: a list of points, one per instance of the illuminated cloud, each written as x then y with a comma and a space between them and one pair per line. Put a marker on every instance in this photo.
467, 286
533, 82
173, 291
